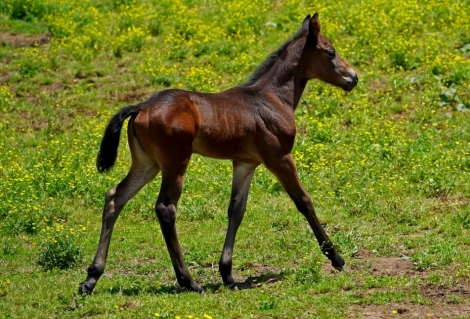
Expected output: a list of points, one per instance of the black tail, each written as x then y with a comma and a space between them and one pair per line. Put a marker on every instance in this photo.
110, 142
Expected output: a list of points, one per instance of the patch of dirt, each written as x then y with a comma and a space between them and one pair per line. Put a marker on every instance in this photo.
260, 269
378, 85
4, 78
33, 100
54, 87
135, 95
366, 260
409, 310
129, 95
392, 266
132, 97
128, 304
449, 294
32, 120
400, 116
440, 301
20, 40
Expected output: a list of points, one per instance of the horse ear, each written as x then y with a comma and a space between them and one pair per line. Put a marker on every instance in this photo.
314, 26
306, 23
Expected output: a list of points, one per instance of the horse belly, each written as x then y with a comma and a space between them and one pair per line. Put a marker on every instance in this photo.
225, 145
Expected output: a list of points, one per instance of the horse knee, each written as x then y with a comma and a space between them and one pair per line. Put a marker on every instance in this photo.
166, 214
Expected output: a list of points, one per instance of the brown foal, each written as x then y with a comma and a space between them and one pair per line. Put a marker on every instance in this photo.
251, 124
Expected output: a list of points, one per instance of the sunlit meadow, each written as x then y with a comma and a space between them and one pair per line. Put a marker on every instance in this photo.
387, 165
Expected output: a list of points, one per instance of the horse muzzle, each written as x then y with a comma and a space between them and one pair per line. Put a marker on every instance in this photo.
350, 81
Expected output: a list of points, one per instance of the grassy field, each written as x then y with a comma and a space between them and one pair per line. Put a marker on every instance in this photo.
387, 165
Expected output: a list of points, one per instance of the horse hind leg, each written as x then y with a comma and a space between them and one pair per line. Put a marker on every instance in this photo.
142, 171
165, 208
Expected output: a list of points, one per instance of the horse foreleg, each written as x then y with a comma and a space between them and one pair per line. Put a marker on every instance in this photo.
242, 176
286, 172
165, 209
116, 198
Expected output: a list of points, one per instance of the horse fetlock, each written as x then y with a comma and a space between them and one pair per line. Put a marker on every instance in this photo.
228, 280
95, 271
336, 261
329, 251
225, 270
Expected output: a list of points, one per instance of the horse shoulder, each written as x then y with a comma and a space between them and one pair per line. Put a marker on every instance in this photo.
275, 130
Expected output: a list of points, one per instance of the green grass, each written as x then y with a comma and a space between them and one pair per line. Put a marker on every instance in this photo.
387, 165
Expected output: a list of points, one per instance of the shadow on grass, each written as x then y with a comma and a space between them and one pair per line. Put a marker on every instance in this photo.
255, 281
150, 289
250, 283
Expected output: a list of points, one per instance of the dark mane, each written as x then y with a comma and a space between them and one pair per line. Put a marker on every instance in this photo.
271, 59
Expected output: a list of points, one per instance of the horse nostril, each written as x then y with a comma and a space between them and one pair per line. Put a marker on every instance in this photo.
356, 79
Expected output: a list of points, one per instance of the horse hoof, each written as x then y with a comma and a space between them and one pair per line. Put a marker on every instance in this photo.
196, 288
83, 289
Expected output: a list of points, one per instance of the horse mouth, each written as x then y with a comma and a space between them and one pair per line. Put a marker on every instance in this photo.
350, 83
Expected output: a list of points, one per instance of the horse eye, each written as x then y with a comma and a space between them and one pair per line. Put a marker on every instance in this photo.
331, 53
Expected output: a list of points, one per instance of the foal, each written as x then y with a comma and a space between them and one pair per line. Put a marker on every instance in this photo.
251, 124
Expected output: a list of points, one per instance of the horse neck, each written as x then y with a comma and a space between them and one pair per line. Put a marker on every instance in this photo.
285, 78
